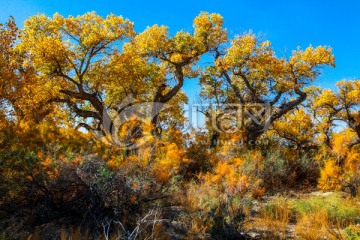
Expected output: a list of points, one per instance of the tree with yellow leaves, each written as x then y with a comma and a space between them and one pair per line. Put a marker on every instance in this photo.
176, 56
342, 155
20, 94
342, 105
71, 54
298, 128
94, 63
255, 77
341, 164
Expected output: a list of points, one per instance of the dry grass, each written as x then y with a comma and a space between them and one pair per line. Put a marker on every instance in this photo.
273, 220
331, 217
317, 225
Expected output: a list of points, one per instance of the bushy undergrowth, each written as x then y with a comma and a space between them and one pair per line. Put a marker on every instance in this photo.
164, 190
87, 197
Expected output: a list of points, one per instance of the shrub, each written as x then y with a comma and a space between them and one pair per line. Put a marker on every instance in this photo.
277, 171
214, 212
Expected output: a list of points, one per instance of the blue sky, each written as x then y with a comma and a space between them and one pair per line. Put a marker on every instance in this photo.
287, 24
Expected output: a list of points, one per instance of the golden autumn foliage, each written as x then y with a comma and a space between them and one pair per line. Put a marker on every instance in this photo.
342, 106
343, 146
248, 72
94, 131
341, 171
330, 175
298, 128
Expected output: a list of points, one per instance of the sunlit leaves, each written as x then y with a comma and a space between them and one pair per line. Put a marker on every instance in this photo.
298, 128
342, 105
209, 30
248, 71
68, 43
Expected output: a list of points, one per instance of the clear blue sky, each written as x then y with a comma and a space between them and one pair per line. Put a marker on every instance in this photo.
287, 24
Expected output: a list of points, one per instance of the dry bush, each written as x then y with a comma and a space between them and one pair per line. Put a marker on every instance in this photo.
213, 213
81, 199
285, 169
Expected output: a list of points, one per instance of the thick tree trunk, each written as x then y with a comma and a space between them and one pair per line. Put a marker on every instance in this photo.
252, 136
214, 140
157, 130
